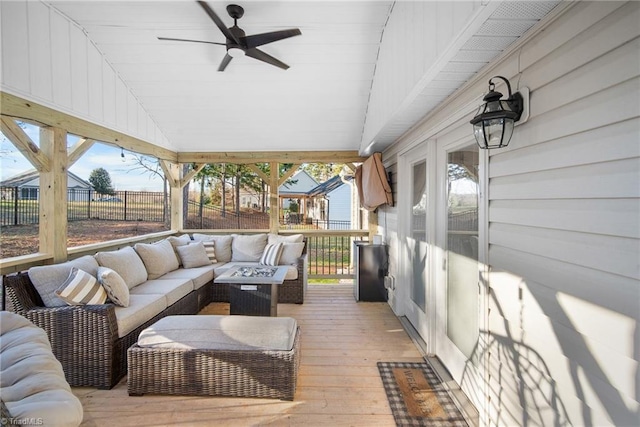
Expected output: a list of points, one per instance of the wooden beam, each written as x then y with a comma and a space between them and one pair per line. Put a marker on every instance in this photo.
79, 148
24, 144
288, 174
242, 157
351, 166
170, 172
274, 207
20, 108
53, 194
193, 172
263, 176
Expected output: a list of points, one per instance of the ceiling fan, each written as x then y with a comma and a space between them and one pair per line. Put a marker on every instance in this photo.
238, 44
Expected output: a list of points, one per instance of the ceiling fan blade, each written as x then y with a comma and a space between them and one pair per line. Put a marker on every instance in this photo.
188, 40
264, 57
256, 40
228, 34
225, 61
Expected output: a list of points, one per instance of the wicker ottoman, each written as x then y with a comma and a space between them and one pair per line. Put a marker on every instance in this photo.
242, 356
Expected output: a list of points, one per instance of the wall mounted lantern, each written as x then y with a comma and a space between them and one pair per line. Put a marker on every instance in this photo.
495, 119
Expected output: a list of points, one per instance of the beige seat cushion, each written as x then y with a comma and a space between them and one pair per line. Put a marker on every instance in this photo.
32, 383
200, 276
173, 289
141, 309
221, 333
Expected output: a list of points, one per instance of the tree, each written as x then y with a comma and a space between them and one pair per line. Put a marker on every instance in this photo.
151, 166
101, 182
321, 172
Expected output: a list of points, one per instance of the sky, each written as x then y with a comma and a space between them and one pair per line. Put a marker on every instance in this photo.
123, 177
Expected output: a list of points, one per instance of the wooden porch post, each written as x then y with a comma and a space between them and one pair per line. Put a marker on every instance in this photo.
53, 194
274, 202
172, 173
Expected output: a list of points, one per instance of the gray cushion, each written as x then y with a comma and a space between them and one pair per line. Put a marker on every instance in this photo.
222, 245
248, 247
221, 333
200, 276
126, 263
32, 383
173, 290
291, 252
48, 278
141, 309
179, 241
158, 258
291, 238
193, 255
114, 285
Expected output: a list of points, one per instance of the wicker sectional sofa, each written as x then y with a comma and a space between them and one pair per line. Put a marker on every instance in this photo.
91, 340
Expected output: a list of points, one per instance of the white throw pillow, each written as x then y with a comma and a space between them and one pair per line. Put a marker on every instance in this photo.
271, 254
159, 258
222, 243
193, 255
114, 285
291, 252
81, 288
248, 247
126, 263
292, 238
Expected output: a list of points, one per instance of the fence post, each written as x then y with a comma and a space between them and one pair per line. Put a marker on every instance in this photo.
15, 206
125, 205
89, 205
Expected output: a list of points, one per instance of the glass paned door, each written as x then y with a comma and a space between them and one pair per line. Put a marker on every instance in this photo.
462, 269
418, 234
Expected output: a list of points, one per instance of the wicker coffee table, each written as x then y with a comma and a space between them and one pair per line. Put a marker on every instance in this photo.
253, 290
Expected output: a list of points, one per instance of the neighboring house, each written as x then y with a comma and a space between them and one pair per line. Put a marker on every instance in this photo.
28, 184
330, 204
301, 183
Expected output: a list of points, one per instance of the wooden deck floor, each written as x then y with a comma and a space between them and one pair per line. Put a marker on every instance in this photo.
338, 383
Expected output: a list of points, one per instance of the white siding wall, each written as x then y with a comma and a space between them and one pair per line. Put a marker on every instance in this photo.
340, 204
46, 47
564, 225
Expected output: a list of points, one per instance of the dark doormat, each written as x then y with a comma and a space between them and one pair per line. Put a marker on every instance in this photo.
416, 396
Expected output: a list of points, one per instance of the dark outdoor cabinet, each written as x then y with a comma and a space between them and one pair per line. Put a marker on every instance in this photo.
370, 270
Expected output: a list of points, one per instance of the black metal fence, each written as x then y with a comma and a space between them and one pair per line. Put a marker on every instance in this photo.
212, 217
20, 206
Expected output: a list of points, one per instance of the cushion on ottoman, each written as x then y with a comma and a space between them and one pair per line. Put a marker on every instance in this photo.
221, 333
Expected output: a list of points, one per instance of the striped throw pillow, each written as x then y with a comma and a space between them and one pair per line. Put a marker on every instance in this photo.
271, 254
211, 253
81, 288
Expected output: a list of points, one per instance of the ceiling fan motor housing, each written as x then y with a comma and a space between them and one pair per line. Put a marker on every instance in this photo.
235, 11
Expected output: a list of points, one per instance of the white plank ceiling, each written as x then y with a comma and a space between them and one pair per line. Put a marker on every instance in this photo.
320, 103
